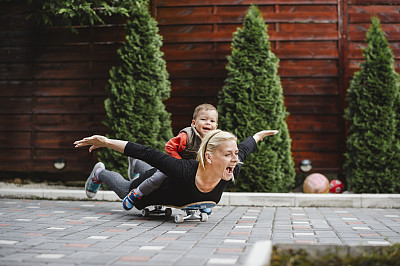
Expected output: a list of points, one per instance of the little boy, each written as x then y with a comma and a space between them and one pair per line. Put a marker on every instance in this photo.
184, 146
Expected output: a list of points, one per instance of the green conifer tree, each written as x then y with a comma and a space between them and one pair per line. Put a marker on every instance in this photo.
252, 100
137, 87
372, 159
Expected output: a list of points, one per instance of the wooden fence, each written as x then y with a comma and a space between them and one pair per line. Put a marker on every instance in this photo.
52, 81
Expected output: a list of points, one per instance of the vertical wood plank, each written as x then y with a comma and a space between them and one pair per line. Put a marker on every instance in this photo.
343, 78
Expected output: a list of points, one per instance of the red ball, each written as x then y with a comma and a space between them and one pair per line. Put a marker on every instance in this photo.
336, 186
316, 183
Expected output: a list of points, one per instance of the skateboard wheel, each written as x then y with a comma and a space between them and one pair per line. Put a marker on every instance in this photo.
203, 217
168, 212
145, 212
179, 218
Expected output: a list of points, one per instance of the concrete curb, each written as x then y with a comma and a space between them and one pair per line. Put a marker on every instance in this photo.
260, 254
312, 200
232, 198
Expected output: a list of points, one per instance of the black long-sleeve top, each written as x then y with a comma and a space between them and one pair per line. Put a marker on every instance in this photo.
179, 188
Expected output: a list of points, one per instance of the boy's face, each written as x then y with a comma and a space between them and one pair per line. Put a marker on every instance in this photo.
205, 121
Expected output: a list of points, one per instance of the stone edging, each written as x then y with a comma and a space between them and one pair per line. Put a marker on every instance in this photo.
233, 198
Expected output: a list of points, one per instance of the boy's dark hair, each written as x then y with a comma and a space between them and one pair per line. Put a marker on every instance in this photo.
204, 106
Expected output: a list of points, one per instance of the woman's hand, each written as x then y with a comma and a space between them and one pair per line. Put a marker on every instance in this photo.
262, 134
95, 142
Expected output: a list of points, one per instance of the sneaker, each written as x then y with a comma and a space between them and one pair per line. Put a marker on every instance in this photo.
91, 186
130, 199
208, 211
131, 167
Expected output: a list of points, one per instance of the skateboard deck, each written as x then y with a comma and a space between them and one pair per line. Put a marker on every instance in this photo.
191, 211
196, 206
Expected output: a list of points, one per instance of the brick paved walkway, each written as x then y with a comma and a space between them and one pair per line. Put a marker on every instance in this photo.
38, 232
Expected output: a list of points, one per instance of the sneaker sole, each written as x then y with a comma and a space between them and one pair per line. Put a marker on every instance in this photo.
88, 193
125, 207
130, 170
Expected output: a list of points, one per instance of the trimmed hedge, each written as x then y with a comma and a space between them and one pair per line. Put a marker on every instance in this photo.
137, 88
389, 255
252, 100
372, 159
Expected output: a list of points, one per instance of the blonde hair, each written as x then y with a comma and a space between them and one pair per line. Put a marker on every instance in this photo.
210, 143
205, 107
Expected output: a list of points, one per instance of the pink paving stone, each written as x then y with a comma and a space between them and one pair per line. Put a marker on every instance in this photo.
366, 235
301, 227
355, 223
305, 241
43, 215
396, 220
15, 210
78, 245
239, 233
74, 222
26, 200
134, 258
298, 218
5, 224
116, 230
245, 222
34, 234
230, 250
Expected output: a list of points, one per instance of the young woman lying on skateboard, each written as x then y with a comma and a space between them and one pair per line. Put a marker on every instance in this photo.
205, 179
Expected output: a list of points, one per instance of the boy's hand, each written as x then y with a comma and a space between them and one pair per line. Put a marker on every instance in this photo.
262, 134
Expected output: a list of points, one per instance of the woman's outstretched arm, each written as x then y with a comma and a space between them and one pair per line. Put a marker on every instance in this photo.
97, 141
165, 163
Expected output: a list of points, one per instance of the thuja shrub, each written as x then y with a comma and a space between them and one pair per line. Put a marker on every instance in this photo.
372, 158
252, 100
137, 88
389, 255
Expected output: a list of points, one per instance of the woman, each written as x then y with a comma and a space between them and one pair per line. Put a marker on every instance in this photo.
187, 181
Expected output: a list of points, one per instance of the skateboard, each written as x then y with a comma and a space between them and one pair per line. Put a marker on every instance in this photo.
191, 211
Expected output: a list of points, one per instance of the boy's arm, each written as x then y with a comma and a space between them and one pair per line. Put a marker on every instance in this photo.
176, 144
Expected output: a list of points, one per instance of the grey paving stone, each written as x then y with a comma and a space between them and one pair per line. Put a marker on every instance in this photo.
330, 241
16, 257
326, 234
282, 235
282, 241
388, 234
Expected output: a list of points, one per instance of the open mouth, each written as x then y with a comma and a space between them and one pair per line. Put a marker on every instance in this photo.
229, 170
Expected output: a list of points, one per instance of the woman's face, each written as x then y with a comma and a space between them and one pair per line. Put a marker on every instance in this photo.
225, 158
